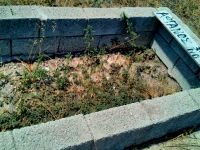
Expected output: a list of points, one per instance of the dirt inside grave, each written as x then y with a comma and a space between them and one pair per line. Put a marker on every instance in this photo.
31, 93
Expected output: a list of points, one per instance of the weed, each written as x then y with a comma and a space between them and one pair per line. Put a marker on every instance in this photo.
129, 30
89, 39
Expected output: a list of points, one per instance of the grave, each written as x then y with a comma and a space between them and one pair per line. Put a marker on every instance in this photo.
26, 31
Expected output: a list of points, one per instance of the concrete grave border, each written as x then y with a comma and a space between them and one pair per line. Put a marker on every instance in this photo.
118, 127
111, 129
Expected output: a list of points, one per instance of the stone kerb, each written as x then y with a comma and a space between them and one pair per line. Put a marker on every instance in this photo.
115, 128
24, 27
181, 66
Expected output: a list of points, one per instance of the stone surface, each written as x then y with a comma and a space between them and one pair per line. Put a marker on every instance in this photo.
184, 56
184, 76
5, 13
62, 21
6, 141
142, 18
75, 44
34, 46
181, 142
104, 21
4, 59
144, 39
119, 127
165, 34
195, 94
5, 48
164, 51
23, 23
184, 36
171, 113
69, 133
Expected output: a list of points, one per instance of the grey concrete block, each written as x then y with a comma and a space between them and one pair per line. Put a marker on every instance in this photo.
5, 48
23, 23
186, 28
62, 21
142, 18
6, 141
119, 127
184, 75
4, 59
164, 51
104, 21
144, 39
5, 13
171, 113
195, 94
69, 133
75, 44
165, 34
184, 56
34, 46
114, 41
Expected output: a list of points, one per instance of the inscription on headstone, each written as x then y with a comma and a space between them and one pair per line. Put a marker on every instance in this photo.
178, 32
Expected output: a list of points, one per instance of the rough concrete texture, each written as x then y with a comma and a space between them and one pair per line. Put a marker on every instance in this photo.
4, 14
186, 28
6, 141
119, 127
171, 113
184, 75
22, 23
104, 21
164, 51
142, 18
111, 129
165, 34
76, 44
34, 46
182, 142
184, 56
5, 48
62, 21
70, 133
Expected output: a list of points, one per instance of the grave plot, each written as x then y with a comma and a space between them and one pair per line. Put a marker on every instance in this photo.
59, 62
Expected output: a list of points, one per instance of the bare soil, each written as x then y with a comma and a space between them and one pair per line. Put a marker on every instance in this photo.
31, 93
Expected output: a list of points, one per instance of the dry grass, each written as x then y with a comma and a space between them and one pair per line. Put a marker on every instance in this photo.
58, 88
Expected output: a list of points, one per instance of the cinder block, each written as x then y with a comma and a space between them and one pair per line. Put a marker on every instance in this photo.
184, 56
119, 127
62, 21
164, 51
184, 75
144, 39
5, 59
185, 27
195, 94
69, 133
34, 46
23, 23
165, 34
114, 41
5, 48
104, 21
142, 18
75, 44
171, 113
5, 14
6, 141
